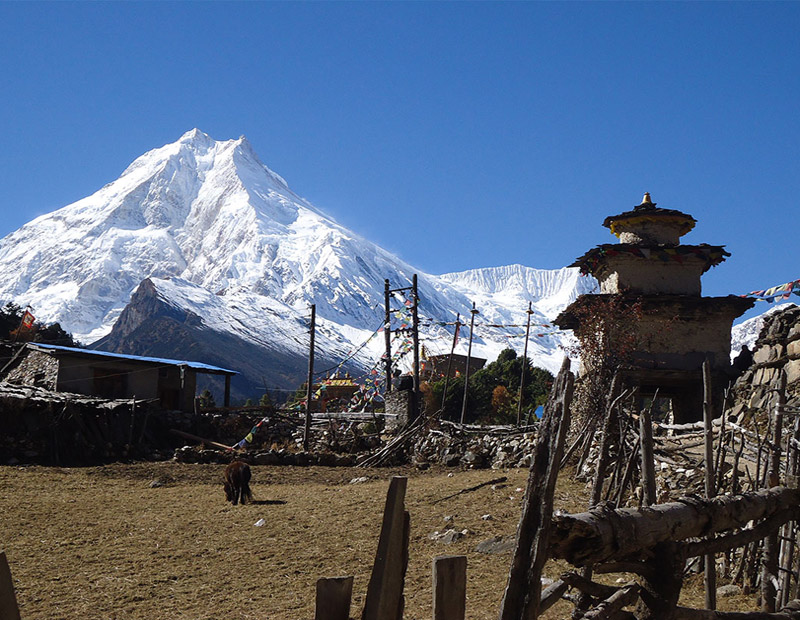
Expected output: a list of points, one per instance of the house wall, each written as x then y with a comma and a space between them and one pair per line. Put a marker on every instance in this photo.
683, 342
80, 375
650, 232
628, 273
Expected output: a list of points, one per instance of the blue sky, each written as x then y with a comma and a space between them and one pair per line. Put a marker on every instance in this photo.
457, 135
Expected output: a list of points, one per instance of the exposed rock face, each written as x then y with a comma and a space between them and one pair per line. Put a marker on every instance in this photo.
152, 327
777, 348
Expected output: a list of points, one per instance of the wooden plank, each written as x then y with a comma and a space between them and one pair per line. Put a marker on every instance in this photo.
8, 600
449, 587
333, 598
385, 591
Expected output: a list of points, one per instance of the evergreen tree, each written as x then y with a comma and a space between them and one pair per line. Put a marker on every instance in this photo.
266, 401
485, 402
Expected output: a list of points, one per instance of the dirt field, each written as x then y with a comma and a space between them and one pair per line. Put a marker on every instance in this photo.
102, 543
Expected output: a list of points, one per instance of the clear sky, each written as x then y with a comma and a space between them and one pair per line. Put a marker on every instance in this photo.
455, 134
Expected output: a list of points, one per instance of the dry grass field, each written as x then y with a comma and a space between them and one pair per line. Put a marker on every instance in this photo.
102, 543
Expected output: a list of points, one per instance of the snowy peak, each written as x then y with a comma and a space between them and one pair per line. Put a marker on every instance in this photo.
221, 235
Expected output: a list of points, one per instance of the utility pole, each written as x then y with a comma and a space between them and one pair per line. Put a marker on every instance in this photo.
387, 333
469, 362
415, 337
524, 365
307, 431
450, 361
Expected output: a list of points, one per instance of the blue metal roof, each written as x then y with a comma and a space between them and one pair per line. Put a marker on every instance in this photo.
136, 358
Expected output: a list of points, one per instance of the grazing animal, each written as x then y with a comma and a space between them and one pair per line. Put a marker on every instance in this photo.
237, 483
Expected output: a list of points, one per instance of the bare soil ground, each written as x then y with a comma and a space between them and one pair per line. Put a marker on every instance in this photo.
101, 543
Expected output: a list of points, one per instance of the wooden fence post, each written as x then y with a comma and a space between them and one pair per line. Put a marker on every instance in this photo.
449, 587
333, 598
710, 572
522, 595
8, 600
385, 591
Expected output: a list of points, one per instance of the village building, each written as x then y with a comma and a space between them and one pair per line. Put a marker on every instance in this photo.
672, 327
333, 393
435, 367
172, 383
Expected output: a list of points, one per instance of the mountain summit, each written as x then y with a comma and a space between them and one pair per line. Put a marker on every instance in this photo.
220, 237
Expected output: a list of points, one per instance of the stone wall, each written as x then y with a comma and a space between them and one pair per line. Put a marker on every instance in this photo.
37, 369
777, 348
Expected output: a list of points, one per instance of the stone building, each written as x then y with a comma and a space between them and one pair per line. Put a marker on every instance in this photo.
110, 375
674, 328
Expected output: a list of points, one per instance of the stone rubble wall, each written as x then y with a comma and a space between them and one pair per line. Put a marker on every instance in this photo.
475, 450
37, 369
777, 348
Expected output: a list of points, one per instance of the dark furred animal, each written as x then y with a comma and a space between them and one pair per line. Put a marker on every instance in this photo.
237, 483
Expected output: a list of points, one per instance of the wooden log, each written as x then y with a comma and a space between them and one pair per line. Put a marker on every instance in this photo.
603, 534
742, 538
597, 590
551, 595
449, 587
333, 598
385, 591
9, 610
627, 595
523, 590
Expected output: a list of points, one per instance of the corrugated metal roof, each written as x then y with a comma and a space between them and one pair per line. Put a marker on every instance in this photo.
135, 358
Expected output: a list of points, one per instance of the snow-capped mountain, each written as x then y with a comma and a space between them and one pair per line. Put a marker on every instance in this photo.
221, 237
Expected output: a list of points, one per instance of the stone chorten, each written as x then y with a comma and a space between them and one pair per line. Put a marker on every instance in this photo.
678, 327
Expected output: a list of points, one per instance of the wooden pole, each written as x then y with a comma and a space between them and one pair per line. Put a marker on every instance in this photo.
226, 401
387, 334
333, 598
415, 337
449, 587
450, 361
769, 567
469, 362
710, 579
524, 365
310, 384
648, 462
9, 610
